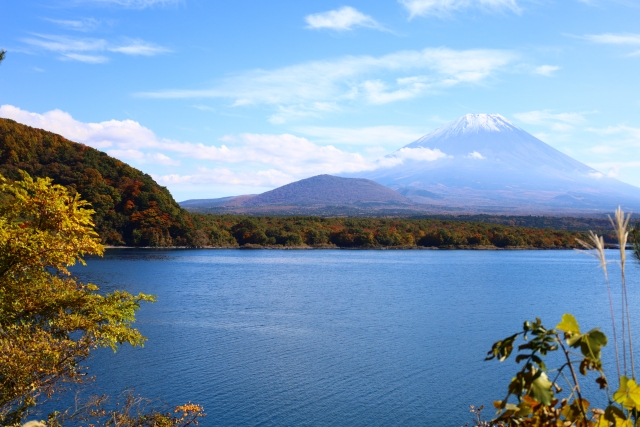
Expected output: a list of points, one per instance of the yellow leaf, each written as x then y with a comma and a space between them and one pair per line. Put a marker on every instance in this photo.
622, 422
569, 324
602, 422
621, 395
634, 394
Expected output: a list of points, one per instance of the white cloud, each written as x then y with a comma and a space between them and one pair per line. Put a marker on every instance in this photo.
604, 149
420, 154
133, 4
292, 112
292, 156
343, 19
368, 136
86, 49
621, 140
559, 122
609, 38
377, 92
139, 47
142, 157
204, 108
596, 174
125, 134
475, 155
614, 168
223, 176
624, 39
442, 8
63, 44
89, 59
561, 127
85, 24
618, 130
308, 87
546, 70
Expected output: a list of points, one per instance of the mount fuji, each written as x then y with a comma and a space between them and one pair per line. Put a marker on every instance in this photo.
484, 163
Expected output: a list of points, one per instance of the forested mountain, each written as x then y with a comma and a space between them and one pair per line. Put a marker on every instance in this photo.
131, 208
327, 189
315, 195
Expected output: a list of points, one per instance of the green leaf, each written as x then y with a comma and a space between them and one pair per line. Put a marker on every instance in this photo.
541, 389
616, 415
592, 342
575, 340
569, 324
502, 349
539, 362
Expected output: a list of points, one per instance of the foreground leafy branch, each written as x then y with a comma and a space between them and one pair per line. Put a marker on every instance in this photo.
49, 321
129, 411
541, 396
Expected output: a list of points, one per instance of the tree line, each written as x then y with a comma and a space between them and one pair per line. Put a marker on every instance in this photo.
275, 231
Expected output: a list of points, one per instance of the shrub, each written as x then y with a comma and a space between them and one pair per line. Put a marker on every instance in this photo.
536, 395
49, 321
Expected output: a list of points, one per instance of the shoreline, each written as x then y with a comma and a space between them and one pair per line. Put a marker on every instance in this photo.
382, 248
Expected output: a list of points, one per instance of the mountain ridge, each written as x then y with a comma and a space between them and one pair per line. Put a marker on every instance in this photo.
485, 163
316, 192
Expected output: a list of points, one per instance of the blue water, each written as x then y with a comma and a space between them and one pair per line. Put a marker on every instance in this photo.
337, 337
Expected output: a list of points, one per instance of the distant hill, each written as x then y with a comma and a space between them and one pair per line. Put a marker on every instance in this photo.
195, 204
329, 190
131, 208
322, 193
482, 163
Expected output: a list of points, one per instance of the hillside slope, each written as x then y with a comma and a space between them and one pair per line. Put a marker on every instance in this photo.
328, 189
131, 208
323, 195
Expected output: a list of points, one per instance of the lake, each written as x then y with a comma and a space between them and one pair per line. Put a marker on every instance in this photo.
338, 337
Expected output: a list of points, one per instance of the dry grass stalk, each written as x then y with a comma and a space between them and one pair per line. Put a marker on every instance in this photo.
597, 246
620, 224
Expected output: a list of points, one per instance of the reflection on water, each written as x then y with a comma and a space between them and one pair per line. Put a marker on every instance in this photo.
331, 337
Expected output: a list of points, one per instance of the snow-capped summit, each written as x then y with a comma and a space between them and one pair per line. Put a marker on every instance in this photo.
493, 137
486, 163
475, 123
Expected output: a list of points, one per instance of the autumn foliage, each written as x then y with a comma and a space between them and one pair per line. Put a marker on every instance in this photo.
49, 321
549, 391
130, 207
231, 230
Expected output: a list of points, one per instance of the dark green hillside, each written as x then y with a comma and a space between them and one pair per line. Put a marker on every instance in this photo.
131, 208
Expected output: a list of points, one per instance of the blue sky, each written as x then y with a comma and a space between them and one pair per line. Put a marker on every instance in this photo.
220, 98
